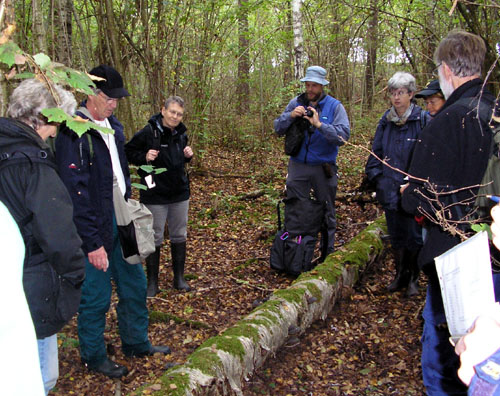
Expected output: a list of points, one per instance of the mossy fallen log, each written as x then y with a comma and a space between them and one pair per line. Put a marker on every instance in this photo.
222, 363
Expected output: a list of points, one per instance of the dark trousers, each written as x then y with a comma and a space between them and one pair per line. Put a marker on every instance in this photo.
403, 230
131, 309
302, 177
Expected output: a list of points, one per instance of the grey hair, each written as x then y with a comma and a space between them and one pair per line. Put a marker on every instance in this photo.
174, 99
463, 52
402, 80
32, 96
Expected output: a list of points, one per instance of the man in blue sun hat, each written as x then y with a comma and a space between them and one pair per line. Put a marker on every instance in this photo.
314, 166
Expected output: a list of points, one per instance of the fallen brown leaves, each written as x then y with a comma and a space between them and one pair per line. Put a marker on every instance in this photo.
369, 344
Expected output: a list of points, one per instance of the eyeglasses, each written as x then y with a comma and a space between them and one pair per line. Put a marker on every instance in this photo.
396, 94
108, 99
176, 113
435, 72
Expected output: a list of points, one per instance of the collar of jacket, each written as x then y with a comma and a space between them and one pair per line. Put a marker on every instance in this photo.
155, 122
15, 131
469, 89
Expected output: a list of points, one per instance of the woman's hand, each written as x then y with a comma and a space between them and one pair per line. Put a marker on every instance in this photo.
151, 155
188, 153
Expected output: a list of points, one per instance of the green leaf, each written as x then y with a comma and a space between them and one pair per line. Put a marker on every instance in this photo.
24, 75
139, 186
42, 60
365, 371
160, 170
80, 81
56, 115
146, 168
8, 52
482, 227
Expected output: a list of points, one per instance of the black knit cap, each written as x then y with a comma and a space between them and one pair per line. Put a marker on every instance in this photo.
113, 85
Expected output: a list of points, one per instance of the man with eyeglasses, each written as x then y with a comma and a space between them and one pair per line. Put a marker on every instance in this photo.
452, 155
88, 165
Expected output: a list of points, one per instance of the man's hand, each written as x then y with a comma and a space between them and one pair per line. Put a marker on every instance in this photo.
314, 120
188, 152
299, 111
151, 155
99, 259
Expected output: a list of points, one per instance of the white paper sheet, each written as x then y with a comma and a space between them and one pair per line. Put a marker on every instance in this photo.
466, 282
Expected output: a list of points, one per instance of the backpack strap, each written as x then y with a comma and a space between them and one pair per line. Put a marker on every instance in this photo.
26, 154
156, 137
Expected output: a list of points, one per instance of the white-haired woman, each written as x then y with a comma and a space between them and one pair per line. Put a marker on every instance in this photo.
395, 138
30, 188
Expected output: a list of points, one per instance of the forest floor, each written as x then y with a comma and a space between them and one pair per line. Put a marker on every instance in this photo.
369, 344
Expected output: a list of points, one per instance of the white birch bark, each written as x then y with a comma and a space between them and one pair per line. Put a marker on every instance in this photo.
298, 39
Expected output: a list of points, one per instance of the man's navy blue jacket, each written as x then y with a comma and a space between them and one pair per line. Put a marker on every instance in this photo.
89, 180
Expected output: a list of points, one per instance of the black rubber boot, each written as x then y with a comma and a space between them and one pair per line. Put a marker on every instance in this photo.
178, 261
402, 276
152, 271
412, 262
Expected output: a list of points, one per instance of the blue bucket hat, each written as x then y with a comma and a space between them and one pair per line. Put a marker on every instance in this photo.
316, 74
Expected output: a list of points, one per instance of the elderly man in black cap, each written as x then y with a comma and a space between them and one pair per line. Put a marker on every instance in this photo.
88, 165
433, 97
314, 166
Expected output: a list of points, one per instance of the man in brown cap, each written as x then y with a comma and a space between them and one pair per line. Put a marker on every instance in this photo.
88, 165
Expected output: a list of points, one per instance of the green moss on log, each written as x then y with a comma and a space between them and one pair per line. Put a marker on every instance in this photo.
163, 317
245, 329
291, 295
229, 344
204, 360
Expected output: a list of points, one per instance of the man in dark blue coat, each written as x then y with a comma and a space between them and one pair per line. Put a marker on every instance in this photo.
451, 155
87, 165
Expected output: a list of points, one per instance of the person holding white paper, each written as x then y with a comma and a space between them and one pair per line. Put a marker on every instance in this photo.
448, 156
479, 350
163, 143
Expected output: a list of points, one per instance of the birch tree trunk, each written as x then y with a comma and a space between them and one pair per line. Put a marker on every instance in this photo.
298, 39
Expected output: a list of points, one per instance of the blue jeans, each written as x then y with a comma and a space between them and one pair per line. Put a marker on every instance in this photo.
96, 298
49, 362
439, 360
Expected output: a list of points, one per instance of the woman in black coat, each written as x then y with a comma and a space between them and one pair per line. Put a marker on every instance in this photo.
163, 144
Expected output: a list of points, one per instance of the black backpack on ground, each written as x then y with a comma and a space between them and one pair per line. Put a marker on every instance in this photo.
293, 246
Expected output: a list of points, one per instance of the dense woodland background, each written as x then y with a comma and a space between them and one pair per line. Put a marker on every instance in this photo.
236, 62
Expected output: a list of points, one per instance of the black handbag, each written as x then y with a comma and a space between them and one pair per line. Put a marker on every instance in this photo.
294, 136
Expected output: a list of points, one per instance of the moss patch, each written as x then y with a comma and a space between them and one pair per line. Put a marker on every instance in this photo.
291, 295
225, 343
163, 317
204, 360
245, 329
